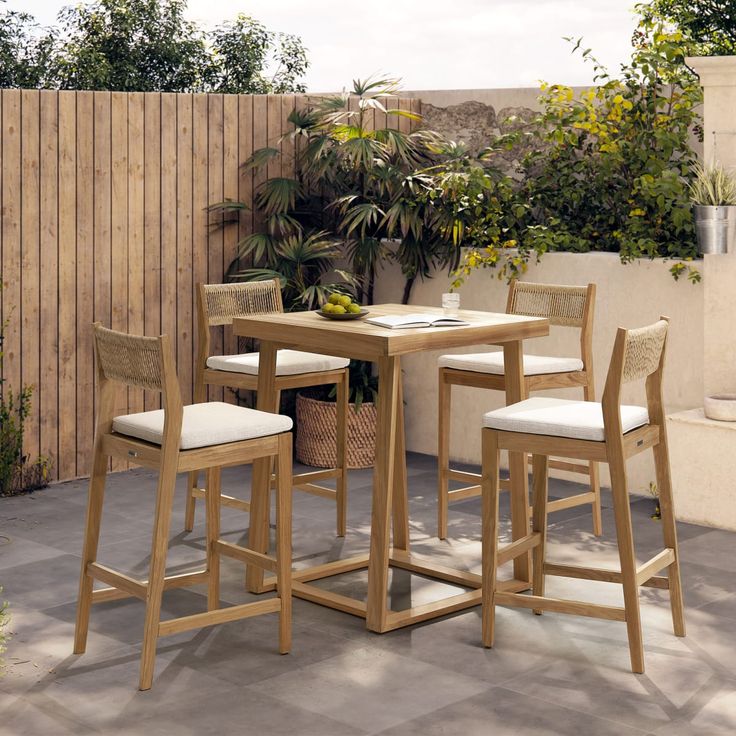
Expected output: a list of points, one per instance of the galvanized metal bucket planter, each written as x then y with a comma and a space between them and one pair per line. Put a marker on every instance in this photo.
715, 228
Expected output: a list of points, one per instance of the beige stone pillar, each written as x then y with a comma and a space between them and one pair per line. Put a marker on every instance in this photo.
718, 78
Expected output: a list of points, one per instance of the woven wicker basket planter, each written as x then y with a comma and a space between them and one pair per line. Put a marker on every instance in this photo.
316, 433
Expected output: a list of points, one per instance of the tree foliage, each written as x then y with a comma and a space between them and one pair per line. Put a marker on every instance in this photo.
709, 24
147, 45
609, 168
25, 52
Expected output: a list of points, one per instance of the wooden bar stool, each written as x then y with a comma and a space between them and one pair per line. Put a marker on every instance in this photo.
565, 306
606, 432
179, 439
219, 304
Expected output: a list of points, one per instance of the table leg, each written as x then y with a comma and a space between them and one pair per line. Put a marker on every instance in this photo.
400, 499
258, 531
513, 357
389, 377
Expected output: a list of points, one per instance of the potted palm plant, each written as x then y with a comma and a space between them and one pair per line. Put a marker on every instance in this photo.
713, 193
359, 185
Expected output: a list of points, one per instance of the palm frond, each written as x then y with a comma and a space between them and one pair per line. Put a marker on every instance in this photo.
383, 86
260, 158
261, 247
282, 223
258, 274
408, 114
371, 103
228, 205
404, 216
360, 217
361, 152
277, 195
304, 120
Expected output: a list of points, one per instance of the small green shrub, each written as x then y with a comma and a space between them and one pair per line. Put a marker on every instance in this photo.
18, 472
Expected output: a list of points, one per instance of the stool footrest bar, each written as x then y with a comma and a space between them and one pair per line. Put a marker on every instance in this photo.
518, 548
184, 580
571, 501
225, 500
600, 575
249, 556
650, 568
460, 493
218, 616
575, 608
315, 490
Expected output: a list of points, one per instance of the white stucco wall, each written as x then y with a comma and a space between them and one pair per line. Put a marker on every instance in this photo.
627, 296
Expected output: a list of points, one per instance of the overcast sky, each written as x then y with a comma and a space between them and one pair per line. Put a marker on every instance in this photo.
451, 44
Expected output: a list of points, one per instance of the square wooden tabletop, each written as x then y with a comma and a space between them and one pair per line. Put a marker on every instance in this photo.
363, 340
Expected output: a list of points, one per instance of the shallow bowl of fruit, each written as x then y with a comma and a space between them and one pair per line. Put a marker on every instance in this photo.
342, 306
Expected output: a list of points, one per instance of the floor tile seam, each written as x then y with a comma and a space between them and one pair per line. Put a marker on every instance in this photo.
727, 594
505, 686
251, 687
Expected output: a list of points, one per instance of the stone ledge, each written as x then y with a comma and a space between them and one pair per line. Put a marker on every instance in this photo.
703, 465
697, 417
714, 71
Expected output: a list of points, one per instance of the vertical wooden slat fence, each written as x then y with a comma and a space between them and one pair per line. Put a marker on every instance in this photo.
103, 199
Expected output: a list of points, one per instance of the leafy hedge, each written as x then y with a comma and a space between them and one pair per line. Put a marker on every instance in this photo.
609, 168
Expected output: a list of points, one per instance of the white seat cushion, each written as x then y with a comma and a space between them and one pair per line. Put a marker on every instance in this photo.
579, 420
213, 423
288, 363
534, 365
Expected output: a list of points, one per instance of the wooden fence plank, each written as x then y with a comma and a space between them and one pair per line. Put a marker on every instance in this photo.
49, 283
30, 264
136, 228
119, 231
168, 216
405, 123
102, 209
152, 225
102, 249
230, 191
66, 460
260, 140
215, 241
200, 195
11, 252
85, 279
245, 150
184, 270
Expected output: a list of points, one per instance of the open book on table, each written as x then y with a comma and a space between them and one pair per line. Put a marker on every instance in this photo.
402, 321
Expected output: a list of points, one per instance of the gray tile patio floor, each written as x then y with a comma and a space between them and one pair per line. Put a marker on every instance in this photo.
546, 675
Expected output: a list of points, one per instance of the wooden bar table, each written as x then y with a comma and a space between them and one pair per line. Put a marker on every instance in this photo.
360, 340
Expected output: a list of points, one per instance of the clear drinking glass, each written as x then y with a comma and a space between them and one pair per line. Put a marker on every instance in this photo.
451, 304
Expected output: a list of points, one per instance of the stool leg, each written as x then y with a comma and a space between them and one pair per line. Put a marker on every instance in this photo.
489, 534
200, 396
595, 486
213, 536
341, 453
443, 452
192, 483
593, 473
283, 540
625, 538
89, 553
669, 530
540, 469
159, 548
